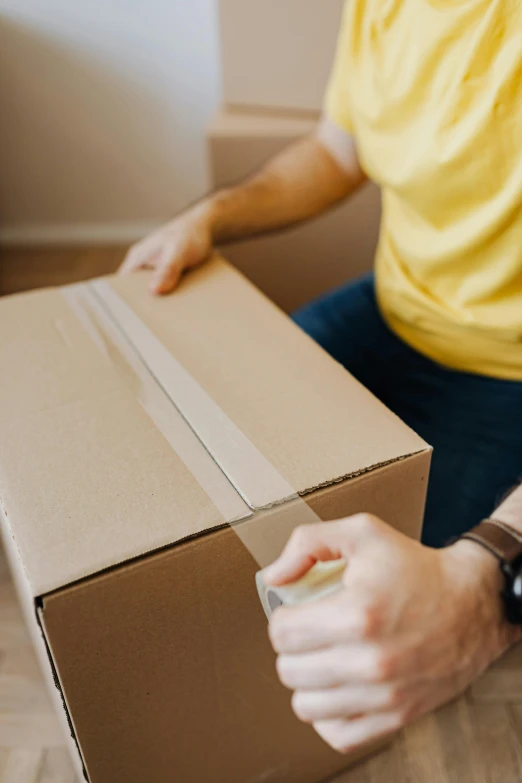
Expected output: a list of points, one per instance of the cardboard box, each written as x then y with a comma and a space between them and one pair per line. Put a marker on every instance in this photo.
292, 267
156, 453
277, 54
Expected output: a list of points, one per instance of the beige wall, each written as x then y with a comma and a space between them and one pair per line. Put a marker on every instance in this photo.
103, 106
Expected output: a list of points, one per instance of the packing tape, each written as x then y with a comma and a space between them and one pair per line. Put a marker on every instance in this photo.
210, 445
223, 439
322, 580
130, 367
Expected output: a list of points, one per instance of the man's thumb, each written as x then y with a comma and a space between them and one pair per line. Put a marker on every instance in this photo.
309, 544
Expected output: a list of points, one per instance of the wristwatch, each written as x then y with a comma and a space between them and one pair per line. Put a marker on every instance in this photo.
505, 543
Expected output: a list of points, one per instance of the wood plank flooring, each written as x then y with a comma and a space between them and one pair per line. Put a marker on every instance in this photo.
32, 267
31, 740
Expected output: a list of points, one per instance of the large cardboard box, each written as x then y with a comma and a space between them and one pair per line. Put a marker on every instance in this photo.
155, 454
277, 54
292, 267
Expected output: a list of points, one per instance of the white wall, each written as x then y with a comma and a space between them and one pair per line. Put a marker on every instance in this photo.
103, 105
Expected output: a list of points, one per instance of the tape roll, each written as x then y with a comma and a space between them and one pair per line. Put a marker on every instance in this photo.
322, 580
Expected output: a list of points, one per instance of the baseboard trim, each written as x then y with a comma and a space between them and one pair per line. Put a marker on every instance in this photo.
75, 233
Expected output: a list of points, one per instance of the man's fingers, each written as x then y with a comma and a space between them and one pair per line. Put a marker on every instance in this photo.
337, 620
307, 545
334, 703
355, 663
349, 735
166, 280
168, 273
324, 541
140, 256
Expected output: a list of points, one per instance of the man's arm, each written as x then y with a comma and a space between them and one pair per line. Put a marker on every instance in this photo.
412, 629
303, 181
510, 510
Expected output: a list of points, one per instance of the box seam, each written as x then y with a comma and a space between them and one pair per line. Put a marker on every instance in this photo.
221, 526
38, 609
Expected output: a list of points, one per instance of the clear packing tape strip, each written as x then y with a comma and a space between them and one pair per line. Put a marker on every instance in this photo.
322, 580
210, 445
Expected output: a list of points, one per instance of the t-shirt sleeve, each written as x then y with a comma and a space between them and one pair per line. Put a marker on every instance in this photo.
336, 103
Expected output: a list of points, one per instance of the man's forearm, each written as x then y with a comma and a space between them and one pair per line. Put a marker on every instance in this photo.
510, 510
304, 180
300, 183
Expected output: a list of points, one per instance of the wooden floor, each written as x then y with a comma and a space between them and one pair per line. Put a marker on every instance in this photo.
478, 739
24, 268
31, 742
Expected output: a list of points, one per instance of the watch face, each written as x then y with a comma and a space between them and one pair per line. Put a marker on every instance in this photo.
513, 592
516, 588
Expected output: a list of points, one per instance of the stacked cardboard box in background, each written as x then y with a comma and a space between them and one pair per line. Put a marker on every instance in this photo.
276, 56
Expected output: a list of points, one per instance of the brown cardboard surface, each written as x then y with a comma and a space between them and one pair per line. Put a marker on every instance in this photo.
252, 124
277, 53
97, 465
169, 673
271, 365
295, 266
83, 465
177, 673
115, 508
171, 653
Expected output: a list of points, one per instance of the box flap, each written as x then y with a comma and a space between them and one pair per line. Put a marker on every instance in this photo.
242, 123
299, 409
96, 467
97, 464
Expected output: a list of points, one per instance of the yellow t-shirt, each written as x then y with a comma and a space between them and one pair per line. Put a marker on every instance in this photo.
432, 92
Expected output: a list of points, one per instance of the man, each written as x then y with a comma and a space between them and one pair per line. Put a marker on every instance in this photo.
426, 99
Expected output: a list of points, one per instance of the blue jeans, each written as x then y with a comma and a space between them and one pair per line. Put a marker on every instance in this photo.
473, 422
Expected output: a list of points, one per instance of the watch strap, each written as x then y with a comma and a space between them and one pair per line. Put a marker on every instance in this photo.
498, 538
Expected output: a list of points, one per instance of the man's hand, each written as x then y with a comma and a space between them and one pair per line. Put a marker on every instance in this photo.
177, 246
304, 180
411, 629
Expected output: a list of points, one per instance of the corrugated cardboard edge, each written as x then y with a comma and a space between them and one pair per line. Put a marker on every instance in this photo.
30, 610
236, 526
363, 471
59, 698
245, 121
